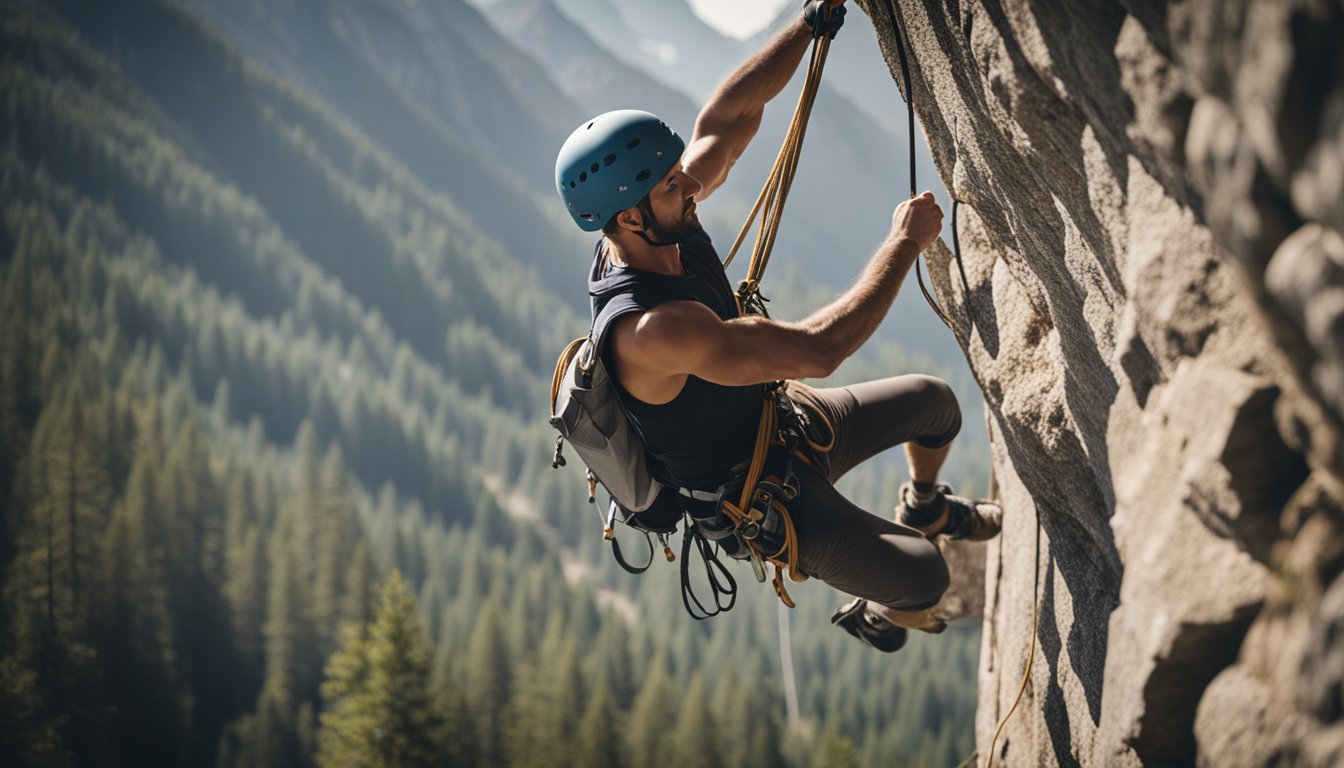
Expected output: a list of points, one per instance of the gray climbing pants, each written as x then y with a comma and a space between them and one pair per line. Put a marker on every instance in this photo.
851, 549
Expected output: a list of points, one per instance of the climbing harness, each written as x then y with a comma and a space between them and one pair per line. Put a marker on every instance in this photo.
756, 503
748, 516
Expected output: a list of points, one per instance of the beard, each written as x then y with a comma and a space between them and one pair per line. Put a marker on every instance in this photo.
662, 232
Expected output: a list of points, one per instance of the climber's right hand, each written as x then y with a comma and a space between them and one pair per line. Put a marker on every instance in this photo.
918, 220
825, 17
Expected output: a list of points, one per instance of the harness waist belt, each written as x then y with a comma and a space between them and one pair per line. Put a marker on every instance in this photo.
691, 493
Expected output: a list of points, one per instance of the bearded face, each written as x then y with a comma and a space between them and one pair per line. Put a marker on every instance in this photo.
671, 227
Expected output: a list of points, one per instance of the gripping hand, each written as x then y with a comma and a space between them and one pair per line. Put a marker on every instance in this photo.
823, 19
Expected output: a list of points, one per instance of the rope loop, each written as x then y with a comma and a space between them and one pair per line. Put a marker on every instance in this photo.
770, 203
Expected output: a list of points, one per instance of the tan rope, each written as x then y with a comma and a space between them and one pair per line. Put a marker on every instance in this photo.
786, 557
1031, 655
770, 203
770, 206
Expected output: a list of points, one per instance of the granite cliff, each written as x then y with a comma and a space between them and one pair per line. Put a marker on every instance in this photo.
1152, 228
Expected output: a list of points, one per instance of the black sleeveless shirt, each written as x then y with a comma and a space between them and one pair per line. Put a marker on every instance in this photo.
696, 438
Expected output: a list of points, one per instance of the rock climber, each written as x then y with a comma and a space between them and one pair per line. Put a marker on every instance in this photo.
690, 371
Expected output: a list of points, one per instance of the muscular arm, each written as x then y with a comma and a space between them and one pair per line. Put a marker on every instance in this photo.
732, 115
656, 350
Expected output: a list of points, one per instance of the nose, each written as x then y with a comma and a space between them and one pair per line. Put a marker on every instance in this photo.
691, 184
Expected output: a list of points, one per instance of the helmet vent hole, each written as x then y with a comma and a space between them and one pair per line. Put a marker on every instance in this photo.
586, 216
589, 126
594, 168
608, 160
583, 176
633, 143
572, 185
643, 175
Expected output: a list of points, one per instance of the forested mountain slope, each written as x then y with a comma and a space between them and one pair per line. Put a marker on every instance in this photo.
435, 86
251, 361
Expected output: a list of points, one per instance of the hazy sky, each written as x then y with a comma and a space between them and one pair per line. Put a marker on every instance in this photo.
739, 18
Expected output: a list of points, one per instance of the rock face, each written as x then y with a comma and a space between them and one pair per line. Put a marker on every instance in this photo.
1152, 229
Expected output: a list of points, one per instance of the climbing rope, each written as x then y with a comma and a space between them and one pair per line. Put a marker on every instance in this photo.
770, 203
914, 189
1031, 655
961, 269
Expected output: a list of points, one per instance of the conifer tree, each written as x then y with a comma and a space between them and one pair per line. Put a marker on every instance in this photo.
835, 751
381, 708
691, 741
71, 498
748, 716
647, 737
17, 398
307, 478
332, 527
194, 507
547, 700
614, 669
598, 740
136, 637
288, 632
356, 597
246, 591
29, 735
488, 682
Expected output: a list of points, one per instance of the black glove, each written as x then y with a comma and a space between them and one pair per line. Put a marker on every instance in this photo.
823, 19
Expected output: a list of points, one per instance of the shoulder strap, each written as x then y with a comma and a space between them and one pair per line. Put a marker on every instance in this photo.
562, 365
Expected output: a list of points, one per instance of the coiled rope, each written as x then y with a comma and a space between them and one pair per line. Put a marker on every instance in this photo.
770, 203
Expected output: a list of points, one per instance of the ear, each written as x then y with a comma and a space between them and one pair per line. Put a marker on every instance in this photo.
631, 219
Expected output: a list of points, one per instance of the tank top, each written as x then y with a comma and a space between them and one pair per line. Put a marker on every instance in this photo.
693, 440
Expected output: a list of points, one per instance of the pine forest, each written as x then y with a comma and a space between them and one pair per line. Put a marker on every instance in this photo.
275, 472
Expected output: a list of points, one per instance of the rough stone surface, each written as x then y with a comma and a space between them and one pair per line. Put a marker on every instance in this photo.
1151, 229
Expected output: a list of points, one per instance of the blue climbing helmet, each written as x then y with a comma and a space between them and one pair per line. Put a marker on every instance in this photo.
611, 162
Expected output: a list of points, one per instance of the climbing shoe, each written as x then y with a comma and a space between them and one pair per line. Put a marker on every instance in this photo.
965, 519
855, 618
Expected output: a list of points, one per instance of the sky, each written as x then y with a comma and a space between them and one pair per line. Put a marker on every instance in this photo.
739, 18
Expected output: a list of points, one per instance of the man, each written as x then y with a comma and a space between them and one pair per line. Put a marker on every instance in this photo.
691, 372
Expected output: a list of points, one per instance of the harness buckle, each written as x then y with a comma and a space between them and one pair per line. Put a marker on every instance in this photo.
749, 530
757, 566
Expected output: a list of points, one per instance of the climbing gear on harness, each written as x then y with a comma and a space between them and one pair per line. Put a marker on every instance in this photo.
747, 517
770, 203
722, 585
855, 618
965, 519
823, 19
756, 503
610, 163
